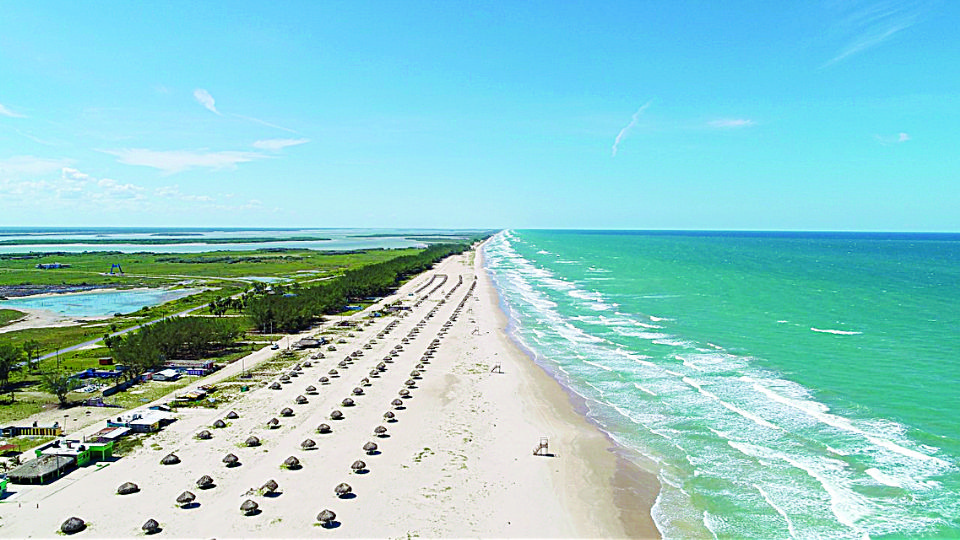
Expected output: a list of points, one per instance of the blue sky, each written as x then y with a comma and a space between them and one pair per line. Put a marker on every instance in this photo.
649, 115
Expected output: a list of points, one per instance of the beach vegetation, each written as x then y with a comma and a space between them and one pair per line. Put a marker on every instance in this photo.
58, 383
8, 316
10, 357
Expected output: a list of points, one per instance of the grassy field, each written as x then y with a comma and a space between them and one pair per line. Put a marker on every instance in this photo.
9, 315
215, 270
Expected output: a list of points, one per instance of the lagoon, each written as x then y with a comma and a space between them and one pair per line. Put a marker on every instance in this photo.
103, 303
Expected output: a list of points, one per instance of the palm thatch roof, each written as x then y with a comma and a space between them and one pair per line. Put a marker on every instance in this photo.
323, 428
310, 389
357, 391
249, 507
72, 525
270, 486
332, 372
151, 526
358, 466
410, 382
205, 482
291, 463
219, 424
273, 423
301, 400
414, 374
397, 403
232, 415
404, 392
186, 498
342, 489
284, 377
204, 435
324, 380
307, 444
370, 447
347, 402
287, 411
127, 488
374, 373
326, 517
252, 441
336, 415
365, 381
275, 386
170, 459
389, 416
231, 460
380, 431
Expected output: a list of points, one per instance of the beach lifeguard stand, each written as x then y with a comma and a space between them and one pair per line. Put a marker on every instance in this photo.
543, 448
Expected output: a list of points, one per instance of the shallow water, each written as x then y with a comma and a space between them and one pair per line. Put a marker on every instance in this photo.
787, 385
98, 303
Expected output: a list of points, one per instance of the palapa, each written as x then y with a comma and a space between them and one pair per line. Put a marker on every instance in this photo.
380, 431
252, 441
308, 444
347, 402
219, 424
170, 459
397, 403
301, 400
342, 489
151, 526
404, 393
291, 463
287, 411
324, 380
127, 488
249, 507
370, 448
204, 435
270, 486
186, 498
231, 460
326, 517
310, 389
358, 391
389, 416
273, 423
73, 525
323, 428
275, 386
336, 415
358, 466
232, 415
205, 482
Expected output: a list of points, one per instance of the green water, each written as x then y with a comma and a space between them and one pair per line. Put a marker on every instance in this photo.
800, 385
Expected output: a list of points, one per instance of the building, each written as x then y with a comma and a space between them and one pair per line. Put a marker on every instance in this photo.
81, 452
143, 420
42, 470
167, 375
53, 430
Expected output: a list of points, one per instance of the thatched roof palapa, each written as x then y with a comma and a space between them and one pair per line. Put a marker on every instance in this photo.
308, 444
270, 486
273, 423
397, 403
323, 380
389, 416
357, 391
219, 424
358, 466
323, 428
231, 460
186, 498
370, 447
232, 415
326, 517
287, 411
252, 441
73, 525
170, 459
380, 431
336, 415
151, 526
204, 435
205, 482
249, 507
342, 489
301, 400
291, 463
127, 488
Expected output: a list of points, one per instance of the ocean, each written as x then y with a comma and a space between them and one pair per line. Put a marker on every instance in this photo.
785, 384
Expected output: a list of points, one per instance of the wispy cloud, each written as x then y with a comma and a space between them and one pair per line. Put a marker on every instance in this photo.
71, 188
204, 98
19, 166
174, 161
626, 130
264, 123
732, 123
867, 26
8, 113
275, 145
888, 140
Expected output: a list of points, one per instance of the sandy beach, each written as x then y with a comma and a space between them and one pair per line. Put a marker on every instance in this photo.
456, 462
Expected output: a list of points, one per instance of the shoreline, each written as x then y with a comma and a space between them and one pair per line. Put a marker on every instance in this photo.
634, 488
455, 462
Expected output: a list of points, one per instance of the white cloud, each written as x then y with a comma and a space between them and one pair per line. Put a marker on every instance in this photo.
204, 98
888, 140
872, 25
623, 132
30, 166
70, 189
732, 123
7, 112
275, 145
173, 192
174, 161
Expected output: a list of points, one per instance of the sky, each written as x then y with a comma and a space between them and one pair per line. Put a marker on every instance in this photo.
833, 115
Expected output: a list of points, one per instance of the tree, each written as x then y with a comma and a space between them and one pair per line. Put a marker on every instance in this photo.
59, 384
10, 356
31, 348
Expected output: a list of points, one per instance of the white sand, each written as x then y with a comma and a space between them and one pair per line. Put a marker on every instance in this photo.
458, 462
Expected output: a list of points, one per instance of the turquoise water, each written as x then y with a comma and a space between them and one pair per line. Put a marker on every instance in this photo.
98, 303
787, 385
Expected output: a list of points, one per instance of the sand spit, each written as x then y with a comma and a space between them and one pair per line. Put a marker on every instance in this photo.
452, 459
